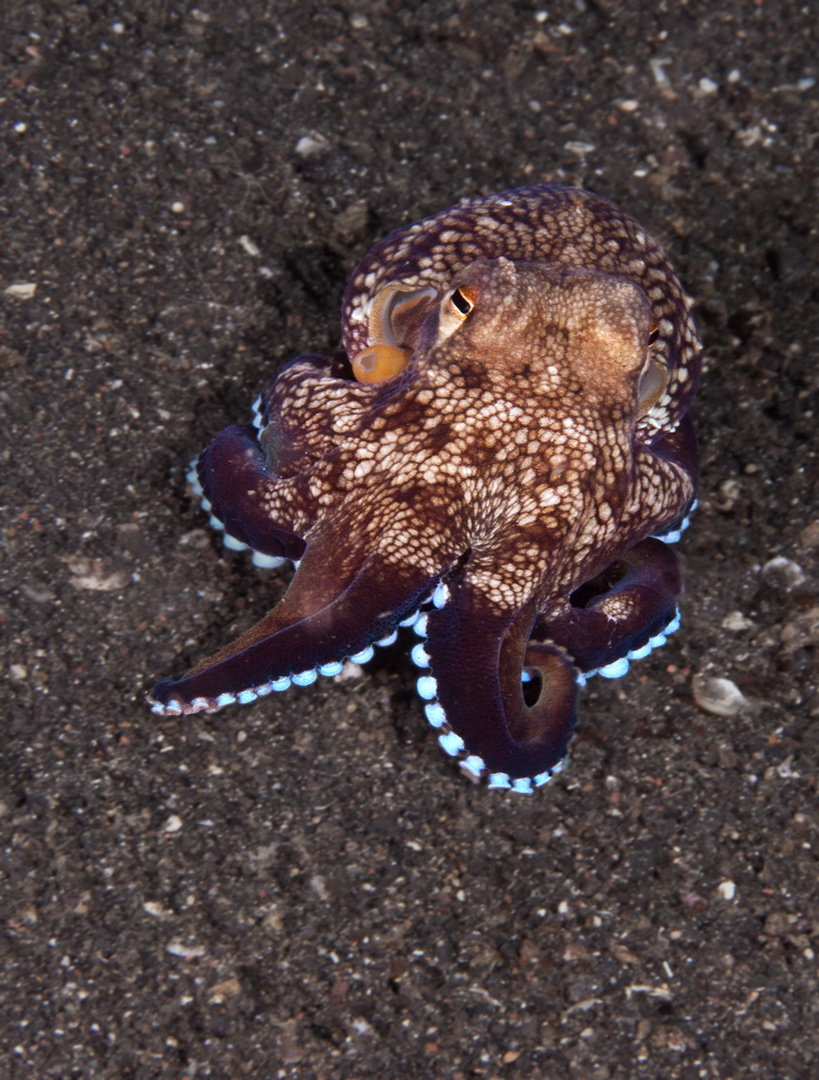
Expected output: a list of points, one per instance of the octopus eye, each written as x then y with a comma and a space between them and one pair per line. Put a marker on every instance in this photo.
395, 320
654, 335
398, 312
461, 304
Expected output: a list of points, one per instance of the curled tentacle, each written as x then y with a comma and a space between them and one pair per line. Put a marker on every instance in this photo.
488, 716
619, 610
234, 477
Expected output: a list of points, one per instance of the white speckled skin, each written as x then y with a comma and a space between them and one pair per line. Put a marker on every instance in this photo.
518, 461
568, 226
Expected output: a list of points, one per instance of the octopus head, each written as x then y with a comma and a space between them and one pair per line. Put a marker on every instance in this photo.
503, 321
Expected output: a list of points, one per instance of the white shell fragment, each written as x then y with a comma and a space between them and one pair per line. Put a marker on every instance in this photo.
718, 696
735, 621
22, 290
726, 890
783, 573
311, 145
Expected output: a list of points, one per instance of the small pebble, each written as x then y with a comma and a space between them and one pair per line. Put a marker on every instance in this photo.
311, 145
228, 988
730, 490
658, 71
178, 948
350, 671
156, 910
249, 246
801, 632
21, 291
727, 890
718, 696
352, 222
783, 573
37, 591
736, 621
574, 146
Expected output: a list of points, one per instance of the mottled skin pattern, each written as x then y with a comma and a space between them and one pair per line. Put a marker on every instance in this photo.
509, 481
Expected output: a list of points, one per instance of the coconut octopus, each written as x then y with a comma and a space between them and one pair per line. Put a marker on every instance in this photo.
498, 457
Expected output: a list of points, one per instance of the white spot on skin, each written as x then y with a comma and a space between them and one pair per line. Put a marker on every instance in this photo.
331, 669
420, 657
615, 670
474, 765
427, 688
435, 714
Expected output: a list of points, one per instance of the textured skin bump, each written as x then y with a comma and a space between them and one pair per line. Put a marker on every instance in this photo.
500, 444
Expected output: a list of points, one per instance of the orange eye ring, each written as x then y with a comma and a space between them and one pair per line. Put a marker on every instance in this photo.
377, 363
461, 304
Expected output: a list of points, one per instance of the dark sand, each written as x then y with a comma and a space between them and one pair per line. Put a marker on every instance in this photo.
306, 887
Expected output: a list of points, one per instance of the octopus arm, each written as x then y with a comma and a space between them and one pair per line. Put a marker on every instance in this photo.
329, 613
310, 407
679, 448
478, 653
240, 491
663, 488
620, 610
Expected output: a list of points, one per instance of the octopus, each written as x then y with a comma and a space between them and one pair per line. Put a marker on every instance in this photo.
498, 457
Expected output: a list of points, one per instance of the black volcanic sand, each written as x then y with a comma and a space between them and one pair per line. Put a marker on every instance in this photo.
306, 886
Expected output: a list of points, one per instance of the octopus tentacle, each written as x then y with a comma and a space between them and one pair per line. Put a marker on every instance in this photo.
477, 655
326, 616
235, 479
309, 408
679, 447
617, 613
